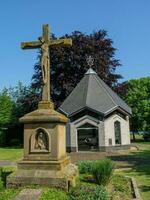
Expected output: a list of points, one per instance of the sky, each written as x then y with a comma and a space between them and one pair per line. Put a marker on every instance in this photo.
126, 21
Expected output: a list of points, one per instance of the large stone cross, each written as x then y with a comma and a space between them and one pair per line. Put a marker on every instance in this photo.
44, 43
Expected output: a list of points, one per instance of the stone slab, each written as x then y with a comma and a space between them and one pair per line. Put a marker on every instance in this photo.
44, 165
7, 163
29, 194
62, 179
135, 188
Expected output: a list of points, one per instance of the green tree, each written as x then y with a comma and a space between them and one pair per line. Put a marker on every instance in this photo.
23, 98
14, 103
6, 106
137, 95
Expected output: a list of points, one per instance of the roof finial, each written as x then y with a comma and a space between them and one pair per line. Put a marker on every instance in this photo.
90, 61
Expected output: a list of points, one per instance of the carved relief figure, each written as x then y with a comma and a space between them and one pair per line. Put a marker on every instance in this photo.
45, 63
40, 141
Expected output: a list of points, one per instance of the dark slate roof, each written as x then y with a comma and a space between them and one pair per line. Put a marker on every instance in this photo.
92, 93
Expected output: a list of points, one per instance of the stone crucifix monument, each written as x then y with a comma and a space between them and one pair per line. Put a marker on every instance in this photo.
45, 161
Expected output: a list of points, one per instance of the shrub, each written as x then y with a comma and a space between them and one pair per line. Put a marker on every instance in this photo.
8, 194
102, 171
2, 137
4, 172
88, 192
16, 142
85, 167
1, 185
146, 136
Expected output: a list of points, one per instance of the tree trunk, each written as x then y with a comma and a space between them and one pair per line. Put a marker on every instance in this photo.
133, 133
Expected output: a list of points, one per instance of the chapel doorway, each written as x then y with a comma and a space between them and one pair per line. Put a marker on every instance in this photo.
87, 136
117, 127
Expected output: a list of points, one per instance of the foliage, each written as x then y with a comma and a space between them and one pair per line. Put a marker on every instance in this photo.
24, 99
102, 171
2, 137
15, 142
1, 184
68, 64
4, 172
85, 166
53, 194
137, 95
8, 194
6, 106
120, 183
90, 192
120, 188
146, 136
11, 131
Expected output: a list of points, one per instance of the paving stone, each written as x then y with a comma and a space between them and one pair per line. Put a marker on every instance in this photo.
7, 163
29, 194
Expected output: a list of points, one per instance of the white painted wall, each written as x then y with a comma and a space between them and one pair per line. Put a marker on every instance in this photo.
110, 133
105, 130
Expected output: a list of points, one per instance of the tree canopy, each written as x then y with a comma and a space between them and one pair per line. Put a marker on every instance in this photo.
14, 103
68, 64
6, 106
137, 94
5, 109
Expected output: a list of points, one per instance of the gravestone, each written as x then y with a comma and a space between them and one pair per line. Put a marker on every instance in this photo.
45, 161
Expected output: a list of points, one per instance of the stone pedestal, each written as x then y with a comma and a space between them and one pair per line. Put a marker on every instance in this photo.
45, 160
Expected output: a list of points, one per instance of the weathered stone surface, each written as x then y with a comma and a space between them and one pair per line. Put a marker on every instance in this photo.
43, 115
29, 194
71, 172
53, 178
44, 164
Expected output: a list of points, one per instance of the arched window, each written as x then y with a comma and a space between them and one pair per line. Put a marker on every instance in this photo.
117, 129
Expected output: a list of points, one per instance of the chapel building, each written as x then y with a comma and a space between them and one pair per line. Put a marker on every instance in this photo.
98, 117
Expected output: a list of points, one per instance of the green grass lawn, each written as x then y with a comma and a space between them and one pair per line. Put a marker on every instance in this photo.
140, 169
139, 161
118, 188
12, 154
142, 180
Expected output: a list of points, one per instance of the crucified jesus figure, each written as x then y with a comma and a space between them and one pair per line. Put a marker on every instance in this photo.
45, 42
45, 66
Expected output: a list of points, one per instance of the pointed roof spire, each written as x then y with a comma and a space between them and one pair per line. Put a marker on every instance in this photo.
93, 93
90, 71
